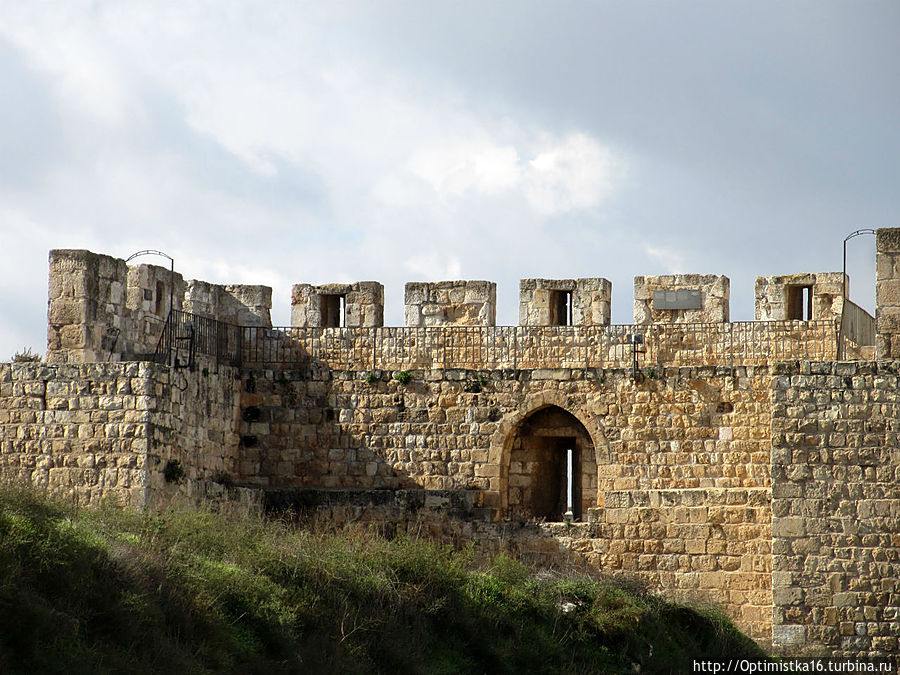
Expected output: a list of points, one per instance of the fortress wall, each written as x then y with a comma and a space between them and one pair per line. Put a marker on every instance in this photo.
703, 545
445, 429
99, 430
836, 507
77, 430
681, 467
194, 420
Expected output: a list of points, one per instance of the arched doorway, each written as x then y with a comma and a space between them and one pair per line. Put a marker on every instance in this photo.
552, 467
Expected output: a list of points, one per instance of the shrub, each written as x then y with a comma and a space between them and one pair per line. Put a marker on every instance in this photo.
26, 356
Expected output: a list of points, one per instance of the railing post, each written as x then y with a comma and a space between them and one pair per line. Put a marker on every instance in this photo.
731, 347
584, 334
515, 350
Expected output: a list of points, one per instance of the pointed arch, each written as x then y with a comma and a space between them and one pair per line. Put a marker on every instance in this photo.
503, 438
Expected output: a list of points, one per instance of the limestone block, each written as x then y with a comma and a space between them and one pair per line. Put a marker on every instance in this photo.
887, 240
542, 301
363, 304
444, 303
714, 292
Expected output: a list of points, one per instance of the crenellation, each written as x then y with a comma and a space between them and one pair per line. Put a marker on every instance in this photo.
801, 297
362, 304
712, 291
564, 302
451, 303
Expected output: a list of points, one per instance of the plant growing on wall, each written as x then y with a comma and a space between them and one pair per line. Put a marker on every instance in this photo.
26, 356
173, 472
371, 378
403, 377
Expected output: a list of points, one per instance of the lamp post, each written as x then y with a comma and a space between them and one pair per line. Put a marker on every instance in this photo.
171, 270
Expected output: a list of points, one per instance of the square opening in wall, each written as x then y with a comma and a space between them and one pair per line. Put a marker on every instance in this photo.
333, 311
560, 308
799, 303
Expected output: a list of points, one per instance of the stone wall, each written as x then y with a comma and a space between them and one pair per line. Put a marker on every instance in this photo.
714, 295
542, 302
836, 507
238, 304
706, 545
108, 430
454, 429
193, 420
781, 298
451, 303
313, 306
78, 430
100, 309
887, 293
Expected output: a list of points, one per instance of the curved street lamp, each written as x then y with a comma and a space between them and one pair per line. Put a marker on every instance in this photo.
172, 268
171, 260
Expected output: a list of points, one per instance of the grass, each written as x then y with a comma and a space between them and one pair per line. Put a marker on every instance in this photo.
108, 590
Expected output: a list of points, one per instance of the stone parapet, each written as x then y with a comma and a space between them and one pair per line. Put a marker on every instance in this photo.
887, 293
237, 304
805, 297
714, 294
561, 302
451, 303
357, 305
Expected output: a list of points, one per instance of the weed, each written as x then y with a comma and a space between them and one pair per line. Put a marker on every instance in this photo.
192, 591
26, 356
371, 378
403, 377
173, 471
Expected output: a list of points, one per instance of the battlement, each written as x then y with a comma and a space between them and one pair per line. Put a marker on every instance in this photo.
100, 309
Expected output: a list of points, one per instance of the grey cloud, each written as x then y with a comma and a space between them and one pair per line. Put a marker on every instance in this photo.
30, 128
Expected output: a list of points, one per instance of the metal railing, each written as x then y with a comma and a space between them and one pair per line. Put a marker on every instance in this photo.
525, 347
186, 335
857, 328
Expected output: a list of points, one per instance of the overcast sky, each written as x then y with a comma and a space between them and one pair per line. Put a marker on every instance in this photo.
285, 142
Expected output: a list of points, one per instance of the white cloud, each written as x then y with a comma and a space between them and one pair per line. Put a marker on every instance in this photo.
573, 173
434, 267
568, 173
672, 260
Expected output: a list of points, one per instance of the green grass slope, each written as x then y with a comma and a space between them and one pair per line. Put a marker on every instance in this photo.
106, 590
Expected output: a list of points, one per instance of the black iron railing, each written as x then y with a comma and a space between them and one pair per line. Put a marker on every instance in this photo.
524, 347
187, 336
